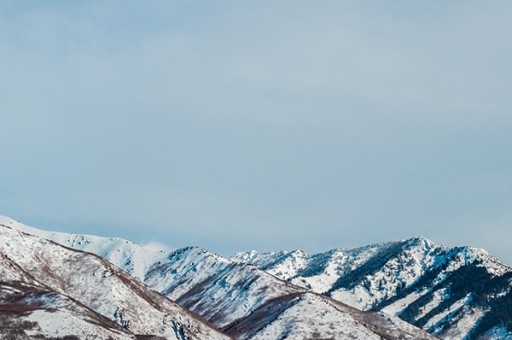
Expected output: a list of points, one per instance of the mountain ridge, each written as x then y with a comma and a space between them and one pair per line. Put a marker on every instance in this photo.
225, 292
414, 279
64, 291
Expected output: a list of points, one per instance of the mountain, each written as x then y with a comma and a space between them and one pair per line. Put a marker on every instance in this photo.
53, 291
459, 292
238, 297
230, 294
133, 258
30, 311
289, 316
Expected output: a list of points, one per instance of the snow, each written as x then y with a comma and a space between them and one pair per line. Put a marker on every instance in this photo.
398, 306
228, 290
221, 290
437, 297
410, 261
61, 324
322, 282
99, 285
358, 297
452, 309
312, 317
133, 258
463, 326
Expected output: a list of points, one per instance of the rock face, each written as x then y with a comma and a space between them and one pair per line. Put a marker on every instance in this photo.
53, 291
449, 292
241, 299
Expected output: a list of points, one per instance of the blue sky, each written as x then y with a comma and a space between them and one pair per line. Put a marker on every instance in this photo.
239, 125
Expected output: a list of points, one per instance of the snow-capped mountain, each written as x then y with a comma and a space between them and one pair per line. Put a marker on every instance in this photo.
50, 290
133, 258
450, 292
233, 295
230, 294
289, 317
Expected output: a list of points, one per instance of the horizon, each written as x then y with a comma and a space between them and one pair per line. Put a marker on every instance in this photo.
171, 248
259, 125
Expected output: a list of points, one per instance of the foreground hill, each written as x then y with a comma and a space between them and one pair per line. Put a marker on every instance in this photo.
50, 290
242, 300
449, 292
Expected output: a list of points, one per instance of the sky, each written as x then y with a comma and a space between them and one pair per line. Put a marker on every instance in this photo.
238, 125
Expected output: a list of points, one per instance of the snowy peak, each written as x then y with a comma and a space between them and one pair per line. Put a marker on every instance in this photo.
40, 275
420, 241
449, 292
289, 263
227, 292
414, 279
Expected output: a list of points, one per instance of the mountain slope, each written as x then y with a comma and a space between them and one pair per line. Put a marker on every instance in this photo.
214, 287
30, 309
69, 280
133, 258
450, 292
290, 316
28, 312
227, 293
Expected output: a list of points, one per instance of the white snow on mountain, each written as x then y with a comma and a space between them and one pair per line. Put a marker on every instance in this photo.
133, 258
226, 292
295, 322
95, 284
414, 279
63, 324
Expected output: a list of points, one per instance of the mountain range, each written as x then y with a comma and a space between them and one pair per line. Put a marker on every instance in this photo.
411, 289
458, 292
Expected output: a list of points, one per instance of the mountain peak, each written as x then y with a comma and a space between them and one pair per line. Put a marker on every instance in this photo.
420, 241
449, 292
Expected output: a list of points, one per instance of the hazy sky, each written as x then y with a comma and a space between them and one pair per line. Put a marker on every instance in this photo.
237, 125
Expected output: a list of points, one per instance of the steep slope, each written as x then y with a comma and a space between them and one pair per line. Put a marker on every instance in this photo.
82, 283
214, 287
226, 293
312, 316
450, 292
28, 312
289, 317
29, 309
231, 294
